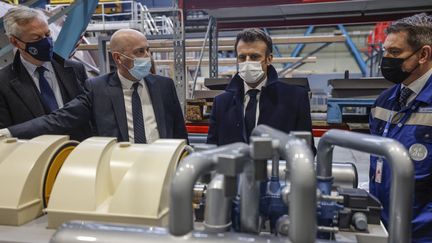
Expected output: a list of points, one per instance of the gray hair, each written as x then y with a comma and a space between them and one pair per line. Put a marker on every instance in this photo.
418, 27
20, 15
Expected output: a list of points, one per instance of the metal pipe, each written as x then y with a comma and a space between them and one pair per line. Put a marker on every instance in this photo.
217, 217
300, 62
249, 200
181, 194
401, 191
275, 166
354, 50
344, 173
302, 203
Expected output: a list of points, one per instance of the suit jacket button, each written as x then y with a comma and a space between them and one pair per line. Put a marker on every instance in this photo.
238, 125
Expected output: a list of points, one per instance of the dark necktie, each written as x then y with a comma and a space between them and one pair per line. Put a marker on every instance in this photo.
47, 94
404, 95
250, 113
138, 120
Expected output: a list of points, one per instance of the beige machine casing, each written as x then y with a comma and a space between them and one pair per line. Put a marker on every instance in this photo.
115, 182
22, 171
100, 179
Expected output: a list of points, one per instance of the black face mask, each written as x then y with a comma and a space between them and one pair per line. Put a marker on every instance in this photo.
391, 68
41, 50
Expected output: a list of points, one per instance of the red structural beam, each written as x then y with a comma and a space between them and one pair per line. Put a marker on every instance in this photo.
214, 4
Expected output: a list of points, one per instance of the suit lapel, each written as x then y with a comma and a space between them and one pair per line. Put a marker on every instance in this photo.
157, 103
115, 93
237, 88
26, 89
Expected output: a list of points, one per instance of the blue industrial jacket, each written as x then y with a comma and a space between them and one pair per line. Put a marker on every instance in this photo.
411, 126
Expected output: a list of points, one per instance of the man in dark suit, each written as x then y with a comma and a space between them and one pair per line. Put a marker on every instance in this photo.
256, 96
130, 104
38, 81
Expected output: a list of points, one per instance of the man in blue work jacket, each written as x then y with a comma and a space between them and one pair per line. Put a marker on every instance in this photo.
404, 112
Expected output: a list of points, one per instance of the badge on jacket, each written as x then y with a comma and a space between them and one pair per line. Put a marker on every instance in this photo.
418, 152
378, 170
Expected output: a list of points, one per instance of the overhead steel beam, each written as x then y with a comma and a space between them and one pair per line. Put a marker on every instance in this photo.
201, 5
278, 39
354, 51
316, 13
276, 51
299, 47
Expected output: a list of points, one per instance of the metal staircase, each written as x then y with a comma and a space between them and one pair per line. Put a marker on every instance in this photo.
117, 15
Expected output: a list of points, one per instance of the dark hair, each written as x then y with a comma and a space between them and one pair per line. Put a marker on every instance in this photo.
252, 35
418, 28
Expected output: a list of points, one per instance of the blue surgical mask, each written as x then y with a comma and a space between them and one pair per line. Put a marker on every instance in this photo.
141, 67
41, 50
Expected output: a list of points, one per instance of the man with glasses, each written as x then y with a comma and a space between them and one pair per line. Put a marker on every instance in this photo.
38, 81
130, 104
404, 112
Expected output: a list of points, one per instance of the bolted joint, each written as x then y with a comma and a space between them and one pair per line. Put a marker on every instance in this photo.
261, 148
230, 164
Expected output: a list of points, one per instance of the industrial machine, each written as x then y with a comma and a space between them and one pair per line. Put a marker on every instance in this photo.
345, 215
351, 99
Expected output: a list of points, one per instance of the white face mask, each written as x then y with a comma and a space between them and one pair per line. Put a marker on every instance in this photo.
251, 72
141, 67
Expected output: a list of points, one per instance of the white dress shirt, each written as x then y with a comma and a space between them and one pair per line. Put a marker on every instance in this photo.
150, 125
417, 85
50, 76
247, 98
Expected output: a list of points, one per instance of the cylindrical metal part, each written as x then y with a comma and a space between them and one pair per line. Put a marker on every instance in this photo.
402, 173
217, 217
260, 170
339, 199
344, 174
249, 200
328, 229
230, 188
359, 220
275, 166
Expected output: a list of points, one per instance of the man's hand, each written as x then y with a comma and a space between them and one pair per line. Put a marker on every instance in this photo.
4, 133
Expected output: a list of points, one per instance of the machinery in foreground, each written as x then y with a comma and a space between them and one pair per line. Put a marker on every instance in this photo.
314, 208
